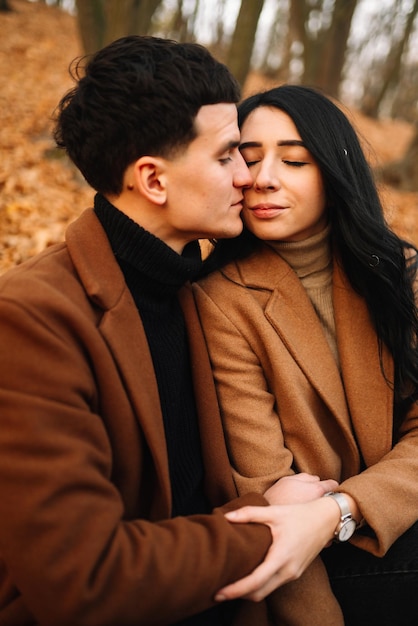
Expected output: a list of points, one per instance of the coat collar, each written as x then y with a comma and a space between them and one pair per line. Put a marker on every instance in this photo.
369, 396
364, 389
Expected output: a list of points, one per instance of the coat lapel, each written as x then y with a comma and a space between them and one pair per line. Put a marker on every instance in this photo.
220, 487
293, 317
368, 395
122, 330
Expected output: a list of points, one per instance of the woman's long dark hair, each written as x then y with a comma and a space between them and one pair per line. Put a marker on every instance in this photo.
380, 266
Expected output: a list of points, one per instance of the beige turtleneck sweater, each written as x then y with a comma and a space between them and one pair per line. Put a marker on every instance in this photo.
311, 259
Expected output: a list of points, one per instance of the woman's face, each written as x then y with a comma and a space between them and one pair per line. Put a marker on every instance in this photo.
287, 199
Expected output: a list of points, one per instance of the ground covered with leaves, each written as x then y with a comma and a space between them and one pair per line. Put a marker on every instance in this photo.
40, 191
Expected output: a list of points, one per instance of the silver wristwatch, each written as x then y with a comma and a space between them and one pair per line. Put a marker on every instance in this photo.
347, 524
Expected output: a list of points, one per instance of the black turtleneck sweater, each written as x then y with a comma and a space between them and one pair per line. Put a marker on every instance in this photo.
154, 273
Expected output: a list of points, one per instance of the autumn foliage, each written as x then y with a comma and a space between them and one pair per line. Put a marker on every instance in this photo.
41, 192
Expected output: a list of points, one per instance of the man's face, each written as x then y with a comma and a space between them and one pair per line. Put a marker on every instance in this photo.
205, 182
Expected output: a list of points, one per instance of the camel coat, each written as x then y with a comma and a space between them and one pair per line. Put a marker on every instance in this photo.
285, 405
85, 534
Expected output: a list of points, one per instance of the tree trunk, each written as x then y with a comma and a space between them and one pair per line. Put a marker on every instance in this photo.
4, 6
299, 17
391, 70
180, 26
142, 14
241, 48
103, 21
298, 14
324, 54
334, 50
118, 19
91, 24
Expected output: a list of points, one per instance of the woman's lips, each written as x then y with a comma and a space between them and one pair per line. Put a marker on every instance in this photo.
267, 211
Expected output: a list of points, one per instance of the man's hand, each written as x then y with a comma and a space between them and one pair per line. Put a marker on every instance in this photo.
299, 532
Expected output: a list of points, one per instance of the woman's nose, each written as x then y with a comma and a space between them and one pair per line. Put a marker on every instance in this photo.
266, 178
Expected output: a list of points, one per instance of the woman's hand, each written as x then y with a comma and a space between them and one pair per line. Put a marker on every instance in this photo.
299, 532
299, 488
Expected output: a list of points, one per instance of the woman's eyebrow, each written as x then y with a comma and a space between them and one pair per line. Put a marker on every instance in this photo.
250, 144
282, 142
291, 142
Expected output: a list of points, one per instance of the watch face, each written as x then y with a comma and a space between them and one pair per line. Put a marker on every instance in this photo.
347, 530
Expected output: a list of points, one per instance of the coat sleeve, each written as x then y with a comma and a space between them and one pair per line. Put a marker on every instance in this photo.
387, 491
65, 542
252, 426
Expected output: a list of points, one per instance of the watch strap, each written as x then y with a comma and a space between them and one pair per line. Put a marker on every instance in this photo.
347, 524
342, 502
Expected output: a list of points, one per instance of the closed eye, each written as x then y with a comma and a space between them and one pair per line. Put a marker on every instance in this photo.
295, 163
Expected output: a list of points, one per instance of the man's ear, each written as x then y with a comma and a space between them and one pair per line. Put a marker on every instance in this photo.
150, 178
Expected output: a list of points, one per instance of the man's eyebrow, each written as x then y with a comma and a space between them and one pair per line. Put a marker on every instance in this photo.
234, 143
283, 142
229, 145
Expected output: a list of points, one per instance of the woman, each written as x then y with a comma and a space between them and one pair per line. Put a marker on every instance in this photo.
312, 329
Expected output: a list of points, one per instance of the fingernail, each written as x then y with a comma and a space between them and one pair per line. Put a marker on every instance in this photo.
220, 598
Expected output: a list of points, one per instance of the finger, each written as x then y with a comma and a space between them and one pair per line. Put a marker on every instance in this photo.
307, 478
258, 585
260, 514
329, 485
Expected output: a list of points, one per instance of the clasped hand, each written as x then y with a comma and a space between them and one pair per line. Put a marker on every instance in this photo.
301, 524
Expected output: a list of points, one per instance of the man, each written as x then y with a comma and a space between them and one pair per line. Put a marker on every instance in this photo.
113, 468
112, 455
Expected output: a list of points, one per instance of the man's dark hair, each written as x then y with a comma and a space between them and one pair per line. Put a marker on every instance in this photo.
137, 96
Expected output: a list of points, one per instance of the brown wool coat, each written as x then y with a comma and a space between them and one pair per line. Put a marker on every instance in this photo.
84, 483
284, 404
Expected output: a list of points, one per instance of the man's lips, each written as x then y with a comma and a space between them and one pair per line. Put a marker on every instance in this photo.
238, 203
267, 211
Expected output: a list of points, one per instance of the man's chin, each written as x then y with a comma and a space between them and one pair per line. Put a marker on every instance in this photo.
232, 231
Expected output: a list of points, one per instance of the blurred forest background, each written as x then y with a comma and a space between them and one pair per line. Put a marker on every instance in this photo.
362, 52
